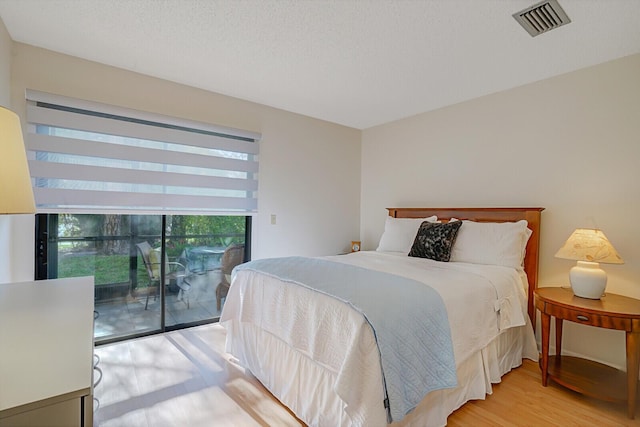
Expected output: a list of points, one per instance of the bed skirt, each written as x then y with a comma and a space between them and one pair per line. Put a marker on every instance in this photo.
281, 368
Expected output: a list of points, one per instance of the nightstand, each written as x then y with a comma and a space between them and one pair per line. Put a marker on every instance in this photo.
585, 376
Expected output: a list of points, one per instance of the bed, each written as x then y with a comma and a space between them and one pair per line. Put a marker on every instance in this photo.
333, 363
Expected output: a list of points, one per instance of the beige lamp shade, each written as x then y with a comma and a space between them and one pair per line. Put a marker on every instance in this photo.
586, 244
16, 195
589, 247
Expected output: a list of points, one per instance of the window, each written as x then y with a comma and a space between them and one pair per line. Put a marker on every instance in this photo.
144, 203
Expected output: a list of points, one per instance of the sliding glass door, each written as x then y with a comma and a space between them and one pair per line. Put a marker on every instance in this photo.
152, 272
195, 246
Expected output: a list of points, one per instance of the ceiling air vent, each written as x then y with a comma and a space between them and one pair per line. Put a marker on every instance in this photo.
542, 17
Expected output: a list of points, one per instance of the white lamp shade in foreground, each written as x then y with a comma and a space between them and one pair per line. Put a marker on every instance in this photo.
16, 195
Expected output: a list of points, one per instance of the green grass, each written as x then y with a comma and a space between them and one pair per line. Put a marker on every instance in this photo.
106, 269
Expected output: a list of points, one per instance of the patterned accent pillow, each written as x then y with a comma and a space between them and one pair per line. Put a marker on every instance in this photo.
434, 241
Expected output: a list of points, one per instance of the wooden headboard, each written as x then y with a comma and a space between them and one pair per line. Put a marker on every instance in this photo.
532, 215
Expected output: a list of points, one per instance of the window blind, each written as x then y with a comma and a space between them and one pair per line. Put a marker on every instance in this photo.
86, 157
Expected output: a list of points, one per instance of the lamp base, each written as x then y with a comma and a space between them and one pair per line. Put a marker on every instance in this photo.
588, 280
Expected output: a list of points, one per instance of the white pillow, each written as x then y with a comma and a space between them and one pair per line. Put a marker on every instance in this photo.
399, 233
495, 243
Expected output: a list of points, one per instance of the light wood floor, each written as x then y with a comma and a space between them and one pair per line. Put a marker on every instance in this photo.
184, 378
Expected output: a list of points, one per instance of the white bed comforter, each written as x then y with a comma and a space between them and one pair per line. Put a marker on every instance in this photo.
480, 300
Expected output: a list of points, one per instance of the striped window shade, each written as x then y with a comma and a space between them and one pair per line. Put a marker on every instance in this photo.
86, 157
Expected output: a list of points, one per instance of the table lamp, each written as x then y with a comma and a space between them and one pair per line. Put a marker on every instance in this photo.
16, 195
589, 247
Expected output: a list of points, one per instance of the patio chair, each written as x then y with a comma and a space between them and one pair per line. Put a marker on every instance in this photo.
232, 256
174, 271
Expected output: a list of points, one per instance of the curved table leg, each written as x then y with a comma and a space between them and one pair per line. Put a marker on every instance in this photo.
558, 336
633, 359
545, 323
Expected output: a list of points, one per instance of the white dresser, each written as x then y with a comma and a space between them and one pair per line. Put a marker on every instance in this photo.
46, 353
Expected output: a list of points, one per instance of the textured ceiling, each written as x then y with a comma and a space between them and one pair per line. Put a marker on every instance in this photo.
356, 63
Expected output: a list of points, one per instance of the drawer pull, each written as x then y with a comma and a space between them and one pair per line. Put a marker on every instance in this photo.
583, 318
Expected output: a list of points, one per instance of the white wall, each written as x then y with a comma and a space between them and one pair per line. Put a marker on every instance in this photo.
309, 169
5, 65
570, 144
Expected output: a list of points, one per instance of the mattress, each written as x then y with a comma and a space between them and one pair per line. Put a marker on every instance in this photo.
328, 371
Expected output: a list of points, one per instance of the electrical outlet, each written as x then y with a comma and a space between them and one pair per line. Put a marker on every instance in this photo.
273, 219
